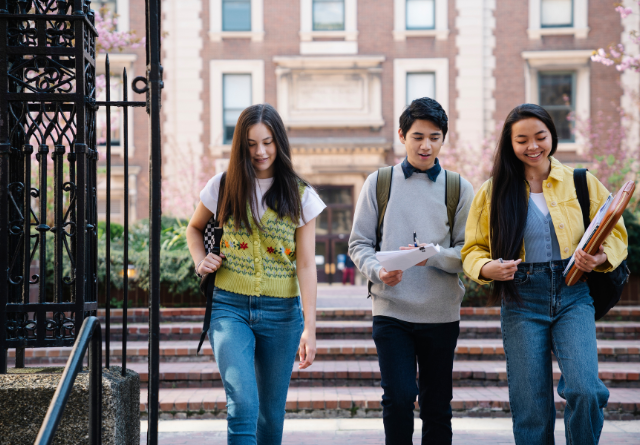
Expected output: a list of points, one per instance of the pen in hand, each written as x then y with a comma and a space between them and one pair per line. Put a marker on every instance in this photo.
415, 240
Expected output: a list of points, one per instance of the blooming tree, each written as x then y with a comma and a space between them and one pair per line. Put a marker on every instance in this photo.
473, 162
617, 54
109, 38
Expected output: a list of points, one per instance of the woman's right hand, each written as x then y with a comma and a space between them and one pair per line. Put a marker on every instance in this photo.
210, 264
497, 271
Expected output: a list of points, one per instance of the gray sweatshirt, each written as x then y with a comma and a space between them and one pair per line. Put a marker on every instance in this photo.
429, 294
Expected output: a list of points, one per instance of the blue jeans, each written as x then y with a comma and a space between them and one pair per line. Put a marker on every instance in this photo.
554, 318
403, 348
255, 340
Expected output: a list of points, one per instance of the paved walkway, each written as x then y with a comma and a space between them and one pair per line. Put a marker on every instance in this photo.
467, 431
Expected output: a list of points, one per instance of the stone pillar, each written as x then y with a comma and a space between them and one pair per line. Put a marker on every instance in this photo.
26, 393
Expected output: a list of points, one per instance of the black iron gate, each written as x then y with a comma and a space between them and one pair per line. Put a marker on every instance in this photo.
48, 178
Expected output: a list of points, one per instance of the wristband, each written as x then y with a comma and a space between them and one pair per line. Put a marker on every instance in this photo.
198, 266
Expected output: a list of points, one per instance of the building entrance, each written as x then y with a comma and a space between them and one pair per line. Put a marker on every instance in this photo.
333, 227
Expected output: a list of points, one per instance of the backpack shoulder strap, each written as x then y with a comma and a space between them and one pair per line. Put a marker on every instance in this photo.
452, 197
383, 190
582, 190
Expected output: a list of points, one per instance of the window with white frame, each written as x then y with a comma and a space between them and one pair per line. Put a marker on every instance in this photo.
109, 5
420, 85
234, 85
236, 19
420, 18
328, 15
414, 78
556, 91
560, 81
328, 27
554, 13
236, 97
558, 17
116, 115
236, 15
420, 14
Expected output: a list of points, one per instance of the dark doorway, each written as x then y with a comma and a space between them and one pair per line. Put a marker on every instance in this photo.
333, 227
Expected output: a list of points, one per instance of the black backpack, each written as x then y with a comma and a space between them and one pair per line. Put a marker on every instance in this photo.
383, 191
605, 288
212, 236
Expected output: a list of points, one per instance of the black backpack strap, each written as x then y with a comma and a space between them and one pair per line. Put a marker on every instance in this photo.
582, 190
208, 282
383, 190
451, 198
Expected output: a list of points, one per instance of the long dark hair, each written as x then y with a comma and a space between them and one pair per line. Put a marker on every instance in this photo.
508, 214
283, 196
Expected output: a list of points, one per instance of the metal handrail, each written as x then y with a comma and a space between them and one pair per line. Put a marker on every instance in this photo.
90, 332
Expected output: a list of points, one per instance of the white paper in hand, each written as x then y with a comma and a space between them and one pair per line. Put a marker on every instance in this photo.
404, 259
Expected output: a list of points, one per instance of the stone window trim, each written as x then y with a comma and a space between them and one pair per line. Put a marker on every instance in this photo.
579, 30
439, 66
118, 61
578, 61
216, 34
400, 31
117, 192
300, 77
217, 69
350, 33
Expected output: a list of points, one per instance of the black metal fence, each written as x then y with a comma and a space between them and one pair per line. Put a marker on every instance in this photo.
47, 62
49, 173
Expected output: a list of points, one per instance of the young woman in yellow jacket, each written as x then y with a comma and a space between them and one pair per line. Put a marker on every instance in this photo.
523, 226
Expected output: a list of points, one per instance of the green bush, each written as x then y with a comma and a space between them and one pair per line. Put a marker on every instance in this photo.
475, 295
632, 223
176, 265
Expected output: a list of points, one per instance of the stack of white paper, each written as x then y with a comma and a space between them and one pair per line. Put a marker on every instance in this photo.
404, 259
591, 230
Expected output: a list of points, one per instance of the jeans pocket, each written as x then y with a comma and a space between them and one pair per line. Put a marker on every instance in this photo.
520, 278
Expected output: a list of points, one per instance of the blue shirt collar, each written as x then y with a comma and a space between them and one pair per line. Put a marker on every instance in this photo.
432, 173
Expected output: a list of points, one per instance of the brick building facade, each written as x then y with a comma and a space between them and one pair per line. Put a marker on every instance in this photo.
341, 71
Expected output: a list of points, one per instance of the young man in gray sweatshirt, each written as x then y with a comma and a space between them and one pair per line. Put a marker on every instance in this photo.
416, 313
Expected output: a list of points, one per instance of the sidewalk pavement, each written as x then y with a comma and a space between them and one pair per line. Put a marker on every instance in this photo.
466, 431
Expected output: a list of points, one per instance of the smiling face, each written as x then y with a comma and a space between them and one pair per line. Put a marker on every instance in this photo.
423, 142
262, 149
531, 141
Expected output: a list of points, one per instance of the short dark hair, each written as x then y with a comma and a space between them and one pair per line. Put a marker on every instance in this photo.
426, 109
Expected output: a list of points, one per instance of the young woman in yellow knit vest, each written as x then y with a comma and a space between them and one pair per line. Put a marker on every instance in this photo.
267, 262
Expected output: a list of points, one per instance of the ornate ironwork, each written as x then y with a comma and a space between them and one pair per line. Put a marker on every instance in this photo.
48, 201
48, 172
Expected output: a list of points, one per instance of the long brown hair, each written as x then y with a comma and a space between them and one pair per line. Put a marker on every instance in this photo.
509, 206
283, 196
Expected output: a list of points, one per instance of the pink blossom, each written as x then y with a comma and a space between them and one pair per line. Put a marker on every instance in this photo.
624, 12
109, 38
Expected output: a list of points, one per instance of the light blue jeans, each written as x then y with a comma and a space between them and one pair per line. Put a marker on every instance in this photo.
255, 340
554, 318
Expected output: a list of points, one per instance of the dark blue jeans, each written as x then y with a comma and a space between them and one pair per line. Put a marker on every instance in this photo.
403, 348
553, 317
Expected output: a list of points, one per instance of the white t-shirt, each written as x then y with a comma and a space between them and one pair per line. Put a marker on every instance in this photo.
538, 198
312, 205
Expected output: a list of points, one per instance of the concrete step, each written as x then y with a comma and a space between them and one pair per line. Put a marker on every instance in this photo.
141, 315
367, 373
624, 403
350, 349
346, 329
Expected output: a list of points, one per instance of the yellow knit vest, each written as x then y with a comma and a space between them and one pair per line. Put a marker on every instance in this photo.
260, 263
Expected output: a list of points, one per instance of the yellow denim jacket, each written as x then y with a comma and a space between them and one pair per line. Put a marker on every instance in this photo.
560, 194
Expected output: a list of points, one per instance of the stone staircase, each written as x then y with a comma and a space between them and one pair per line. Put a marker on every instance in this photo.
345, 378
